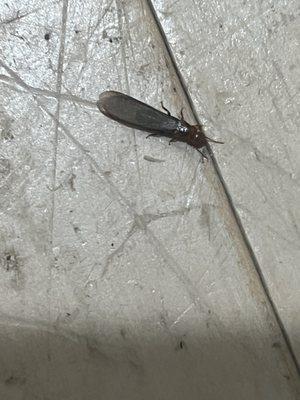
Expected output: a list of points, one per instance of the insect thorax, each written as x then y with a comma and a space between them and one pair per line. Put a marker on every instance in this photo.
182, 129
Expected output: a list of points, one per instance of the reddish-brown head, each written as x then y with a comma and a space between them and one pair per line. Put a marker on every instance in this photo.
197, 138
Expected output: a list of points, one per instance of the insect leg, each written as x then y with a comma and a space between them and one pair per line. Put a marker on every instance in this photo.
154, 134
163, 107
214, 141
181, 114
202, 154
173, 140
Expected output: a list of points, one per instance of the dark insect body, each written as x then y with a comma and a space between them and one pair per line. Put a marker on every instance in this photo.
133, 113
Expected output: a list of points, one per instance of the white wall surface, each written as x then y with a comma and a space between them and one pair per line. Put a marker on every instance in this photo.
243, 76
123, 278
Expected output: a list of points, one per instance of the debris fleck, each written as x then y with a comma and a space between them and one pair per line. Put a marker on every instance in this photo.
76, 229
276, 345
153, 159
181, 345
71, 182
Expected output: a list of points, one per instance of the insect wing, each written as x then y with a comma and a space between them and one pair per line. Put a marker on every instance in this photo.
135, 114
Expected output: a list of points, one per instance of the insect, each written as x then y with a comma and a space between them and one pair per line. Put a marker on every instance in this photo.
135, 114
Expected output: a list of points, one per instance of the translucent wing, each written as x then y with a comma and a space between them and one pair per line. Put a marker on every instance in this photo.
135, 114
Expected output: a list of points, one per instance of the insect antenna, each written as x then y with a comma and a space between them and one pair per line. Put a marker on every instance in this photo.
214, 141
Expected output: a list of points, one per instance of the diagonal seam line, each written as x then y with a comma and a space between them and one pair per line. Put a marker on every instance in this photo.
172, 264
227, 194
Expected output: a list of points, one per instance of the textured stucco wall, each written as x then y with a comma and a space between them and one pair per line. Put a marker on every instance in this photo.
122, 277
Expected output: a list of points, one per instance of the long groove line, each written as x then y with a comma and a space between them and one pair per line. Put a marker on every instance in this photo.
57, 111
54, 178
227, 194
55, 139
